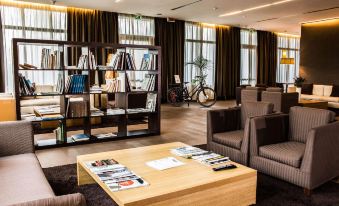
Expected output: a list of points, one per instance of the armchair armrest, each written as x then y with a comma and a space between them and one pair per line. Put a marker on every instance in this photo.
321, 154
266, 130
76, 199
223, 120
16, 138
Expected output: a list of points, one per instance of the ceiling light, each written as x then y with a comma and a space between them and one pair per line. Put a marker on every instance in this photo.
320, 20
255, 8
117, 1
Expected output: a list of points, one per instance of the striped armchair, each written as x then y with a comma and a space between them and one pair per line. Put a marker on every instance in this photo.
228, 129
301, 148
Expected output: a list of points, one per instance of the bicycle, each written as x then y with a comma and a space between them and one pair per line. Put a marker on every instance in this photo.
206, 96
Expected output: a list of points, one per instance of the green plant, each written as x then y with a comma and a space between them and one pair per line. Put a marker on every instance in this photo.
298, 81
202, 65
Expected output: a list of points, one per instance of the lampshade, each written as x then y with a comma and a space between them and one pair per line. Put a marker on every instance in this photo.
285, 60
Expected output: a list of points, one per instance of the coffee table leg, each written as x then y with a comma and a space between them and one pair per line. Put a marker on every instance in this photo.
83, 177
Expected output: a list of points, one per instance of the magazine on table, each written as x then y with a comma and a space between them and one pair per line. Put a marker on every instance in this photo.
116, 176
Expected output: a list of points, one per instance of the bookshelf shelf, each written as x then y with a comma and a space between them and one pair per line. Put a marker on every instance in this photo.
78, 67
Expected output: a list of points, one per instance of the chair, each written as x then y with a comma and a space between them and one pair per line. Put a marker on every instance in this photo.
251, 94
282, 101
228, 129
301, 148
238, 93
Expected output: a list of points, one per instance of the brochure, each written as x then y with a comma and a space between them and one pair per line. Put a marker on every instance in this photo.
165, 163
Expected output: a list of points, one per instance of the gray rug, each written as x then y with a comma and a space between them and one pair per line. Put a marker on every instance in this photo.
271, 191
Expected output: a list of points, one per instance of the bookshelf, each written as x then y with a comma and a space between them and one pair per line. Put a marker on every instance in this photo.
82, 93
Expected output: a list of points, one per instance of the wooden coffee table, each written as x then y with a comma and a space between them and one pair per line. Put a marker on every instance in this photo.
313, 103
190, 184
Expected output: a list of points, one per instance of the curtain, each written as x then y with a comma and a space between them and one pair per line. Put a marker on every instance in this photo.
248, 65
199, 41
2, 69
171, 37
267, 58
227, 61
287, 72
30, 21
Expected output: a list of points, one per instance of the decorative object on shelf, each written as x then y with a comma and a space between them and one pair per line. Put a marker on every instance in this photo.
285, 59
298, 81
50, 59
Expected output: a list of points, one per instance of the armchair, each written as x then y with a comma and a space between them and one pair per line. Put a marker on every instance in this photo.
301, 148
251, 94
228, 129
282, 101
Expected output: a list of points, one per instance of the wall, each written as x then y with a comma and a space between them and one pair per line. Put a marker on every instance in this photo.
319, 56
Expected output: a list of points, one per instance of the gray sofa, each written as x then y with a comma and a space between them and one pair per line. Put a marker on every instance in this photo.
301, 148
228, 129
22, 180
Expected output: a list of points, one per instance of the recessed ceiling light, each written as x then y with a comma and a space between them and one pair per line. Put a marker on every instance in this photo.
255, 8
117, 1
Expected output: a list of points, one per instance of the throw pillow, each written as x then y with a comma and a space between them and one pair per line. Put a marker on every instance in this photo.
307, 89
318, 90
335, 91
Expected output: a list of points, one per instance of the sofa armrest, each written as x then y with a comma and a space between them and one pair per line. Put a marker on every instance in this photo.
266, 130
16, 138
76, 199
223, 120
321, 154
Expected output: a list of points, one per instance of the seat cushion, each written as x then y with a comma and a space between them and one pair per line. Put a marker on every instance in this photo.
303, 119
232, 139
290, 153
22, 180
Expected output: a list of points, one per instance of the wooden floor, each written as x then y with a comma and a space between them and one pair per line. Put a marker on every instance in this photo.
183, 124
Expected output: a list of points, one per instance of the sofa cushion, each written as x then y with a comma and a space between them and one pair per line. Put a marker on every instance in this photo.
303, 119
232, 139
307, 89
335, 91
327, 90
309, 97
318, 90
290, 153
22, 180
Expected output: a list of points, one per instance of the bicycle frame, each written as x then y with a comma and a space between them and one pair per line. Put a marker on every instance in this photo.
195, 89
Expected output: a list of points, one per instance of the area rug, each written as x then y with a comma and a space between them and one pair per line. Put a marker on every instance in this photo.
271, 191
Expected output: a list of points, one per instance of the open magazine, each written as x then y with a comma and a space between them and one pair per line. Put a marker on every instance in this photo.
200, 155
116, 176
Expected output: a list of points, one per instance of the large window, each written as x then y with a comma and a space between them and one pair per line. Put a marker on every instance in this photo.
290, 45
133, 30
34, 22
248, 65
199, 41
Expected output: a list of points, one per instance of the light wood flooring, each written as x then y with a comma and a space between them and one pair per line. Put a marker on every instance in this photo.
183, 124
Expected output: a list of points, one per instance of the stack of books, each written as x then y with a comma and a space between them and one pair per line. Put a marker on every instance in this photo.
95, 112
27, 66
148, 83
115, 111
104, 136
50, 59
76, 84
25, 86
96, 89
115, 176
79, 137
149, 62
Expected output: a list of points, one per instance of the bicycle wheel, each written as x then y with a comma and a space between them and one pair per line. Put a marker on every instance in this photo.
206, 97
175, 96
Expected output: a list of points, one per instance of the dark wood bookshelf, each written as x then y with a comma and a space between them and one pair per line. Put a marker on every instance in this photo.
124, 100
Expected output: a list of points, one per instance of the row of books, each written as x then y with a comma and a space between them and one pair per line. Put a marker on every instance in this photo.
123, 60
115, 85
60, 84
117, 61
59, 133
51, 59
76, 84
76, 107
200, 155
86, 61
115, 176
148, 83
149, 62
26, 87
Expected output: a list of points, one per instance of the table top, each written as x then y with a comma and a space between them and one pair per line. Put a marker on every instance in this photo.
193, 176
309, 101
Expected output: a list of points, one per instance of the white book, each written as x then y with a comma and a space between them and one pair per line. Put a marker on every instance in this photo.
165, 163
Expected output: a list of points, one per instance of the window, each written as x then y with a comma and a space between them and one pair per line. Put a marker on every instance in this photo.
199, 41
134, 30
248, 65
287, 72
32, 22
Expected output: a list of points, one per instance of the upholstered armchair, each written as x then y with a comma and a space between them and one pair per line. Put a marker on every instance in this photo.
251, 94
228, 129
301, 148
238, 93
282, 101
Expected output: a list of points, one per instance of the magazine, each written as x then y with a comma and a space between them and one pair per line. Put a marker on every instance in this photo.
115, 176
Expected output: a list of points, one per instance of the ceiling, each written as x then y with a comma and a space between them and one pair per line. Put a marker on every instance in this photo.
285, 17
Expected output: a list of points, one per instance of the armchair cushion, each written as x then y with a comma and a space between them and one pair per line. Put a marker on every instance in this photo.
252, 109
75, 199
303, 119
290, 153
231, 139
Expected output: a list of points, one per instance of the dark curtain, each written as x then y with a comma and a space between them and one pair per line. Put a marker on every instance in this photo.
171, 37
91, 26
227, 75
2, 68
267, 58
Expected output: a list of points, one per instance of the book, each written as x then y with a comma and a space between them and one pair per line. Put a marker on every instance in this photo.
79, 137
151, 102
164, 163
26, 87
76, 84
76, 107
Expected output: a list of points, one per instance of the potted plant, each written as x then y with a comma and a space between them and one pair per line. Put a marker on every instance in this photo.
202, 65
298, 82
